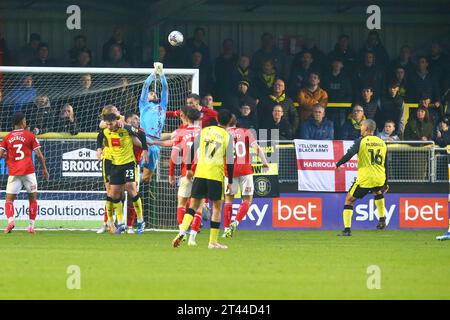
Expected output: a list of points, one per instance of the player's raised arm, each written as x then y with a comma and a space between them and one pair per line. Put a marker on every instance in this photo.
143, 100
41, 160
350, 153
164, 92
140, 135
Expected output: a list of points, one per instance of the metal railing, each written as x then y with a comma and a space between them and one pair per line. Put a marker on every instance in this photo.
408, 161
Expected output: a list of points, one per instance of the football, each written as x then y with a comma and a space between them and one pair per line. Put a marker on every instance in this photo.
175, 38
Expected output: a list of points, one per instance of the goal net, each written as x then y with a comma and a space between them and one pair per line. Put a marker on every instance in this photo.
74, 196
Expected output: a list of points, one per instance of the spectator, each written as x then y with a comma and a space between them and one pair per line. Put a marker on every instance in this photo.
83, 59
80, 45
5, 59
117, 39
317, 127
116, 58
163, 57
197, 44
205, 77
268, 51
403, 60
277, 98
423, 82
41, 116
442, 137
337, 84
208, 101
434, 113
19, 97
66, 120
369, 103
265, 79
388, 133
223, 70
419, 128
320, 59
401, 78
344, 53
351, 130
310, 96
29, 52
392, 107
280, 123
246, 119
438, 62
300, 71
124, 97
242, 72
373, 44
42, 59
242, 97
369, 74
86, 83
339, 89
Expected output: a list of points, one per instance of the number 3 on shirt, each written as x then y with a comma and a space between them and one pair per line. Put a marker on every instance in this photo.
19, 153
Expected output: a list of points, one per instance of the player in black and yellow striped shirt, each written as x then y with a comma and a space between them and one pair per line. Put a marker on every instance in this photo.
372, 174
123, 170
215, 147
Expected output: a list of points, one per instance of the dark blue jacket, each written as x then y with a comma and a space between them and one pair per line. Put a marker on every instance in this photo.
314, 131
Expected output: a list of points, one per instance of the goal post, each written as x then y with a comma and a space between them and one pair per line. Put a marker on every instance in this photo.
74, 197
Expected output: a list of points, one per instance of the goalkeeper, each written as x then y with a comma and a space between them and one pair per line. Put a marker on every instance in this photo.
153, 115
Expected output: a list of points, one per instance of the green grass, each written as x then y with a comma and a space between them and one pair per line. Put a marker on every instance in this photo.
257, 265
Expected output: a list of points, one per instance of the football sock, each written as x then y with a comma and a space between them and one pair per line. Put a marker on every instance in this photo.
348, 212
197, 222
187, 219
180, 215
137, 205
243, 209
192, 235
118, 209
109, 208
131, 214
227, 213
214, 232
379, 203
9, 210
33, 210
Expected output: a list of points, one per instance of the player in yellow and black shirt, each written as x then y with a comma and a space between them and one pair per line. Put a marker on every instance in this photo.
215, 151
372, 174
123, 169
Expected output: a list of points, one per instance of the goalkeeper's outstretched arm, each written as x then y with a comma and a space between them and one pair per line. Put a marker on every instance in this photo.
143, 100
164, 92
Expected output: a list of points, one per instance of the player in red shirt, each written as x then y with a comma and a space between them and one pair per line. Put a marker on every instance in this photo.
139, 153
242, 176
19, 145
182, 142
206, 114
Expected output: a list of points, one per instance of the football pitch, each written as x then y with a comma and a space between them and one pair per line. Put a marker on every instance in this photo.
257, 265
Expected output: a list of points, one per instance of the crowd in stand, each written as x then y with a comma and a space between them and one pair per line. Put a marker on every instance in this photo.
264, 92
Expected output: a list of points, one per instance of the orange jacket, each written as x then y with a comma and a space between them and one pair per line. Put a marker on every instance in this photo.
307, 100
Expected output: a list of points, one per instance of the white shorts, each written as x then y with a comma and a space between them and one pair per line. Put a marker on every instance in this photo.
185, 187
245, 183
15, 184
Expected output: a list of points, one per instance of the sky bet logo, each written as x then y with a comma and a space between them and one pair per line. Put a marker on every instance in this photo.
369, 212
423, 213
297, 213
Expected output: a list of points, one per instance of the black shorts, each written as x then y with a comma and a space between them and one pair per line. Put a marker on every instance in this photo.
206, 188
106, 169
358, 192
121, 174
